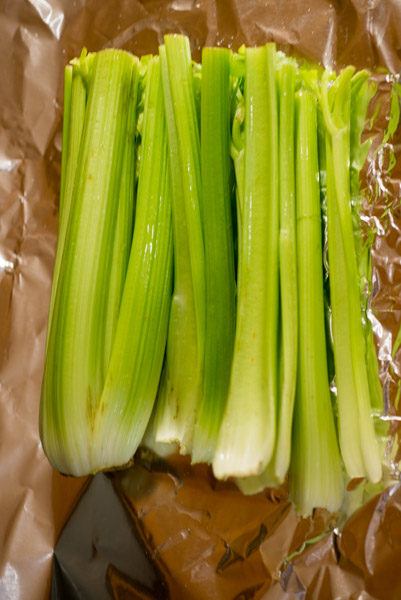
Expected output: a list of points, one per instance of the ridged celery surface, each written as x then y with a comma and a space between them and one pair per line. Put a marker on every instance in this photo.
76, 82
137, 355
74, 370
194, 307
358, 442
316, 473
277, 468
181, 385
287, 78
219, 249
125, 220
248, 431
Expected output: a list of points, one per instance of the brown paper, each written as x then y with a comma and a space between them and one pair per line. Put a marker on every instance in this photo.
209, 541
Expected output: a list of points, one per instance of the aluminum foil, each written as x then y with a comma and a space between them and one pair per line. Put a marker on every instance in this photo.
162, 529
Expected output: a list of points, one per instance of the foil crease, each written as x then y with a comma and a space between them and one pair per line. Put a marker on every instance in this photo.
204, 539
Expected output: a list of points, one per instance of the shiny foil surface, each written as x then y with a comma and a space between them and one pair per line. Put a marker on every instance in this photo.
169, 530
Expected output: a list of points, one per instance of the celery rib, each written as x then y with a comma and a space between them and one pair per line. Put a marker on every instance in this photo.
133, 376
181, 386
66, 128
247, 435
74, 377
316, 474
288, 269
75, 98
277, 468
124, 226
348, 332
219, 250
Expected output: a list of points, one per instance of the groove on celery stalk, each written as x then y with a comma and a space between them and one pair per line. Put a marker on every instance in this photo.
277, 468
315, 475
237, 148
356, 426
219, 249
124, 226
73, 377
140, 340
247, 435
181, 385
287, 75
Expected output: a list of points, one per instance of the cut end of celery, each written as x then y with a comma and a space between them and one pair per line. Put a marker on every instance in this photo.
237, 458
254, 485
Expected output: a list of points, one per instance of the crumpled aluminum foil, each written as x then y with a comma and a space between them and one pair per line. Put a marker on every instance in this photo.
201, 539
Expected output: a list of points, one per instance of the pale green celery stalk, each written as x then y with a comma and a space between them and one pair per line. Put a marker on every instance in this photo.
137, 356
76, 80
276, 470
349, 437
356, 424
362, 91
181, 385
248, 431
288, 268
315, 475
73, 376
124, 226
219, 249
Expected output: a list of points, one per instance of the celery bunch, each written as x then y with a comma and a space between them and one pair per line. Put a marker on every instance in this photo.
109, 317
188, 295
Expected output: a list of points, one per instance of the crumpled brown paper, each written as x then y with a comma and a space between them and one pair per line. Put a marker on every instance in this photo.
207, 539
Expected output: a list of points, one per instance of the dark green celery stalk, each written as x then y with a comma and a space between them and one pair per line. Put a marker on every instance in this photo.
140, 340
248, 431
74, 377
316, 475
181, 385
356, 426
219, 249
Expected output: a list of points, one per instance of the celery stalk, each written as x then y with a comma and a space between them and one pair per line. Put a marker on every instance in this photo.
219, 249
288, 269
76, 79
124, 227
362, 91
137, 356
76, 117
74, 374
316, 475
247, 435
347, 407
277, 468
181, 385
356, 424
66, 128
